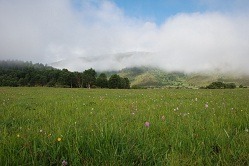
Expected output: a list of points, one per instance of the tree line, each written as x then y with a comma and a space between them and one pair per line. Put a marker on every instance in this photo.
19, 73
221, 85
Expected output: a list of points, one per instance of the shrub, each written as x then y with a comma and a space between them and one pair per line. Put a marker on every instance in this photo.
221, 85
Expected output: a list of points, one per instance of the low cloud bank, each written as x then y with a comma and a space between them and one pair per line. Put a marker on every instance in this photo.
100, 36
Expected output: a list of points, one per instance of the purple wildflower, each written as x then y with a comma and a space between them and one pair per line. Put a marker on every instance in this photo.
147, 124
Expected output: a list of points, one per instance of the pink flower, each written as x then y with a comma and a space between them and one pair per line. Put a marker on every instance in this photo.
64, 163
147, 124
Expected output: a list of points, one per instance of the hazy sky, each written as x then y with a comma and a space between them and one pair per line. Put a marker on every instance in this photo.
187, 35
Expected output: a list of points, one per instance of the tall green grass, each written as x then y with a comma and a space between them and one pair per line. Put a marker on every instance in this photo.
44, 126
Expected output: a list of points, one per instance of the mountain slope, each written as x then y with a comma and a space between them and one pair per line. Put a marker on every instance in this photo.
148, 76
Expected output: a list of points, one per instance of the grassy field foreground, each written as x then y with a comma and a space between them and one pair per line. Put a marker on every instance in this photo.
52, 126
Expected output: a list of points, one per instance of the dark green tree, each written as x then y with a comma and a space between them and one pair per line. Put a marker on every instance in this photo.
102, 81
78, 79
63, 79
122, 84
18, 73
221, 85
127, 83
89, 78
216, 85
114, 82
230, 86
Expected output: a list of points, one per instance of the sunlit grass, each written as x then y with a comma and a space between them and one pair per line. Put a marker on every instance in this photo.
52, 126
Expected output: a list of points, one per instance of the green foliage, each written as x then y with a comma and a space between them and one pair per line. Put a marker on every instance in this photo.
89, 78
44, 126
221, 85
102, 81
114, 82
147, 77
127, 83
241, 86
230, 86
18, 73
137, 87
216, 85
117, 82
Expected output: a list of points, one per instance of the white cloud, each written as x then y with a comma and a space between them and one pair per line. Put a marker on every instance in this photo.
49, 31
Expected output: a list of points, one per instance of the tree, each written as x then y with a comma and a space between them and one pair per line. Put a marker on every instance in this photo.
18, 73
89, 77
64, 79
216, 85
122, 84
114, 81
221, 85
230, 86
72, 79
102, 81
117, 82
127, 83
22, 82
78, 79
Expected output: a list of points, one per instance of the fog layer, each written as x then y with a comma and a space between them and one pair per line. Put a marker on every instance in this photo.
98, 34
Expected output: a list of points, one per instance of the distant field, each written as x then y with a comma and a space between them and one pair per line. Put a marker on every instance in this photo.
48, 126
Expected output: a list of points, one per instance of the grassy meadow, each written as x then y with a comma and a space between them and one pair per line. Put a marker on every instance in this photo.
54, 126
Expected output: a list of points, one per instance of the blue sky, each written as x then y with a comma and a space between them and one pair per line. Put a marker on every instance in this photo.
185, 35
157, 10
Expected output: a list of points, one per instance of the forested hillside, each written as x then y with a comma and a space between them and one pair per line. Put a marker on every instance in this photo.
155, 77
19, 73
148, 76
